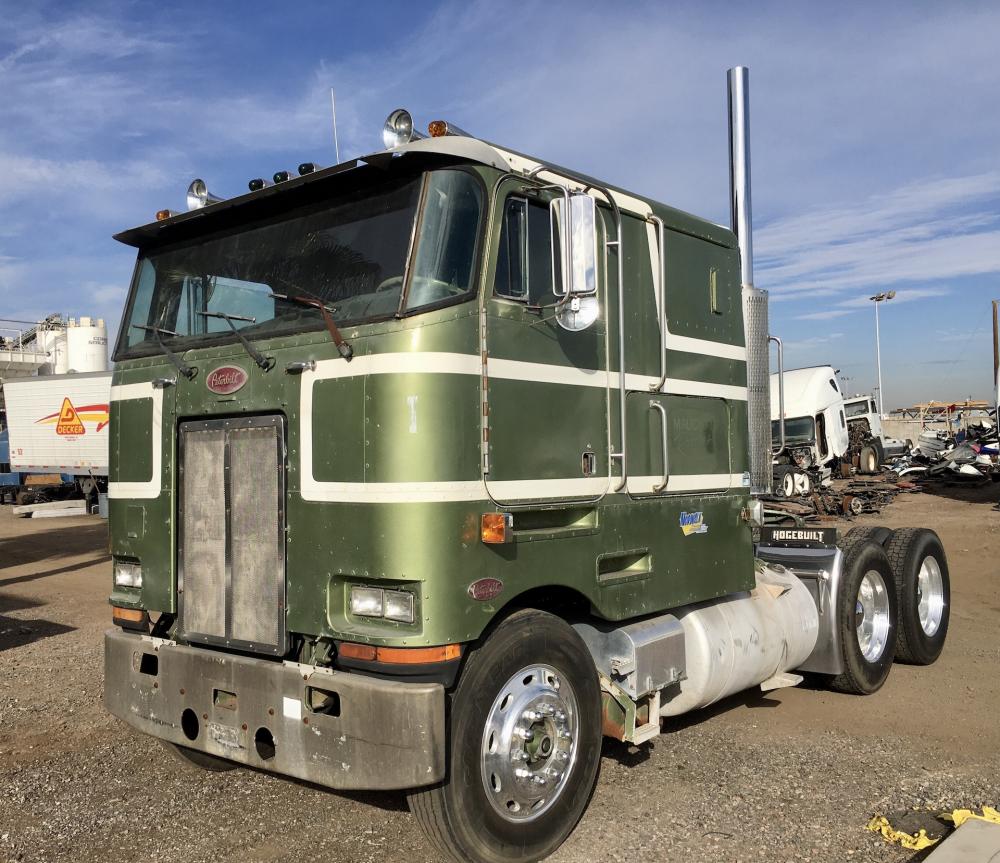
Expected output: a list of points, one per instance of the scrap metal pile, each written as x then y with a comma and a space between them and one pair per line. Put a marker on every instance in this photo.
970, 456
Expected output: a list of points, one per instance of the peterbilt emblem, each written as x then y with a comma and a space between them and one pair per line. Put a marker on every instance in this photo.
226, 379
485, 589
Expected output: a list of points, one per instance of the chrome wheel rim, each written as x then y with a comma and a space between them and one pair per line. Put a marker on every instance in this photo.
930, 596
872, 615
529, 743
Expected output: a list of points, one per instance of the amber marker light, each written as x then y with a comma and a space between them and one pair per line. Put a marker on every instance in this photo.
164, 214
495, 528
437, 128
132, 615
399, 655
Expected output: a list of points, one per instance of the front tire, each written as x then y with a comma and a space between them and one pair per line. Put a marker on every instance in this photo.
525, 746
868, 461
867, 613
924, 587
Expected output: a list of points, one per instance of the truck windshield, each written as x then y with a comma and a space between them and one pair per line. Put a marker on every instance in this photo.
351, 253
797, 430
856, 409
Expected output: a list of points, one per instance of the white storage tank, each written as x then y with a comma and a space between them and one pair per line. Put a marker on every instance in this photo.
86, 345
53, 342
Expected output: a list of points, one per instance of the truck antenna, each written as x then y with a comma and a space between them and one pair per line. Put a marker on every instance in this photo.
333, 108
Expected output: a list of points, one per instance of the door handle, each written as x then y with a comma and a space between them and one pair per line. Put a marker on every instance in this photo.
655, 405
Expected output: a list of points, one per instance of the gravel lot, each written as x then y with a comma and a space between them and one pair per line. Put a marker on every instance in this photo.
791, 775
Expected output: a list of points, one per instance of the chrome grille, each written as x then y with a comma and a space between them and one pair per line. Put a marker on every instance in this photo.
203, 526
255, 520
231, 549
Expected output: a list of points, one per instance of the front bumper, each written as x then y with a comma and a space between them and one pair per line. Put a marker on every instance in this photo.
385, 735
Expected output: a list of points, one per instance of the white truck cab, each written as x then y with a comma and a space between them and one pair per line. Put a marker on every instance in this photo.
816, 437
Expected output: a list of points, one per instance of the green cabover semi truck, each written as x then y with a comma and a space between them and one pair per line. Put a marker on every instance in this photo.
433, 467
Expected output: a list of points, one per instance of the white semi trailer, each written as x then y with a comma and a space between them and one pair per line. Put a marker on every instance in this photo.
58, 429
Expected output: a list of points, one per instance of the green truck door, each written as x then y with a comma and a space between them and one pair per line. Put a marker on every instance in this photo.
546, 414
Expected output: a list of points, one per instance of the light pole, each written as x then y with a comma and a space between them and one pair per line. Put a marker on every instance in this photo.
880, 298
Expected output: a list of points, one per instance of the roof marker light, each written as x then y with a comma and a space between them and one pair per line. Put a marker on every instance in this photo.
440, 128
308, 168
258, 183
282, 176
198, 195
164, 214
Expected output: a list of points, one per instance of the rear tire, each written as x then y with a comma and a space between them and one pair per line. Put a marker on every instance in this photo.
866, 617
509, 798
878, 534
924, 594
195, 760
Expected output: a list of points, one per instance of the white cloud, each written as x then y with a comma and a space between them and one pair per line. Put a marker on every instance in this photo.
826, 315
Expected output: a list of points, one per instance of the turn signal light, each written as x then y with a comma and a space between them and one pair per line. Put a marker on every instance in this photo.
132, 615
496, 527
400, 655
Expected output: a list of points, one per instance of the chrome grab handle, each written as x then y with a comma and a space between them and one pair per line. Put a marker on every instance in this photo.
656, 220
781, 395
655, 405
297, 367
163, 383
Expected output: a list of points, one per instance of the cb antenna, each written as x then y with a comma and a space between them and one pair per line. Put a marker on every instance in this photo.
333, 108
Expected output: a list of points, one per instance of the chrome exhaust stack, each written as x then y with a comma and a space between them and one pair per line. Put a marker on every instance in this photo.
755, 318
739, 169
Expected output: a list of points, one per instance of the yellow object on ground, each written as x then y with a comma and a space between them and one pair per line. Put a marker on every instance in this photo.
920, 840
960, 816
914, 841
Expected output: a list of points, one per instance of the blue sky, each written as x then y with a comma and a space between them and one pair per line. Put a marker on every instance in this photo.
875, 136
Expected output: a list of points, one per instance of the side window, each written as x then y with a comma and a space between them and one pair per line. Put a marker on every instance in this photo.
833, 384
873, 410
524, 256
512, 255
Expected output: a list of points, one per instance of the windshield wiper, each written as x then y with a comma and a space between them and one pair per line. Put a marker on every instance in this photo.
314, 302
266, 363
181, 366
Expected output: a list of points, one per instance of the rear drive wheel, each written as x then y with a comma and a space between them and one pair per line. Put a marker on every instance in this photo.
525, 746
879, 534
866, 617
196, 760
921, 573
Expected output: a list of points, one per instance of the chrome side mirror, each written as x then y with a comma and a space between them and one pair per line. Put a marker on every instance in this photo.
574, 237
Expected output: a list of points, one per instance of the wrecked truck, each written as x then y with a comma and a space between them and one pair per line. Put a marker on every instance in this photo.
819, 430
432, 468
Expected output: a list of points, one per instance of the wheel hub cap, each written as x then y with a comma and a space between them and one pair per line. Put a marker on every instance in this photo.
871, 614
930, 596
529, 743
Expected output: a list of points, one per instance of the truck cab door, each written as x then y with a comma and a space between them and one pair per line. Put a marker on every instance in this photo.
546, 388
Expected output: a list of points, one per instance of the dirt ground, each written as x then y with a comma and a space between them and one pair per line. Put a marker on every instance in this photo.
790, 775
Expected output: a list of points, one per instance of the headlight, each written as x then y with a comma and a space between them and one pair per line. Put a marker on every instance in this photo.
399, 606
366, 601
388, 604
128, 573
